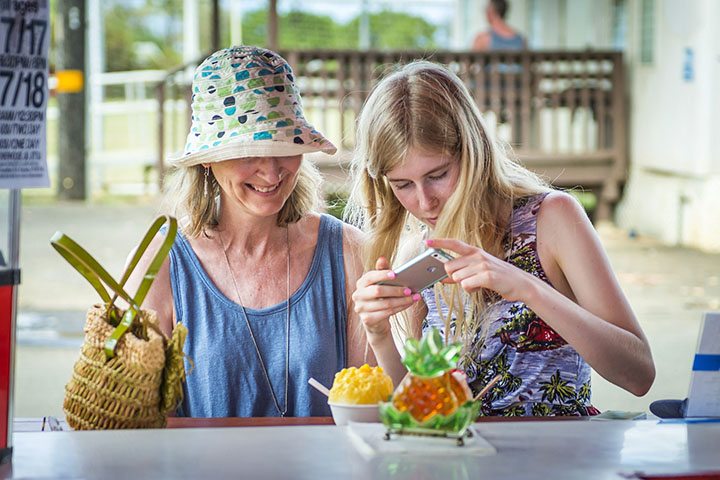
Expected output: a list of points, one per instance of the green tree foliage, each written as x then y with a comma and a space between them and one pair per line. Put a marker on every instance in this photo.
306, 30
147, 36
254, 28
392, 30
120, 36
297, 29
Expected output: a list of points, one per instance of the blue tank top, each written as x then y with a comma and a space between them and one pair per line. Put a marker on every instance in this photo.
498, 42
226, 379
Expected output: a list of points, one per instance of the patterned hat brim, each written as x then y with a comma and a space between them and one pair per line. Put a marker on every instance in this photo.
258, 148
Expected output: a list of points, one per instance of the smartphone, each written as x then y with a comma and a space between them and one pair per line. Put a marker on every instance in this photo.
421, 272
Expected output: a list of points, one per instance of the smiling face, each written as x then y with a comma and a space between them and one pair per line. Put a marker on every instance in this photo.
259, 186
424, 182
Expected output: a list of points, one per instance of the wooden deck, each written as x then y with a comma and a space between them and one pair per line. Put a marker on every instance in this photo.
562, 112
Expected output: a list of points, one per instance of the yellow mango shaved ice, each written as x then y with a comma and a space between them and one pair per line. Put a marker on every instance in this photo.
361, 386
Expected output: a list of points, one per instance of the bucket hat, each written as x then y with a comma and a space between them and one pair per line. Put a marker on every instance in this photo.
245, 103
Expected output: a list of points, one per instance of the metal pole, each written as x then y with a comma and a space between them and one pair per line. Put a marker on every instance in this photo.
14, 234
95, 94
71, 134
191, 31
236, 15
364, 32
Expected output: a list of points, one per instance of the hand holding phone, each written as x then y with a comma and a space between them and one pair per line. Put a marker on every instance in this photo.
421, 272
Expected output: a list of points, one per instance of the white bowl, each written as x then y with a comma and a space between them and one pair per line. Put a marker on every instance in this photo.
344, 413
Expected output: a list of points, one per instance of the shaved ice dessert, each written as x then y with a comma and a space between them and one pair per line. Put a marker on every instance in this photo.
361, 386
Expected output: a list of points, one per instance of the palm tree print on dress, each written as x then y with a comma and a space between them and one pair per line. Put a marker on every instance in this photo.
557, 390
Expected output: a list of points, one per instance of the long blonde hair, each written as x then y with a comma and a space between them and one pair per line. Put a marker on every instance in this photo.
185, 197
424, 105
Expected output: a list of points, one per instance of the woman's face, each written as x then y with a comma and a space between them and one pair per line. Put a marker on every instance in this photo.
259, 186
424, 182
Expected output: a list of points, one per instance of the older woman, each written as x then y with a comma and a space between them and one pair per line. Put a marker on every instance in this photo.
260, 279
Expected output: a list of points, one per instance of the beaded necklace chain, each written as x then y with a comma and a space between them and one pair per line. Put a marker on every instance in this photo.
282, 411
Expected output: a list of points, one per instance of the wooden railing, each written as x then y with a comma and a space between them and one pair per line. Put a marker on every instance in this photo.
563, 112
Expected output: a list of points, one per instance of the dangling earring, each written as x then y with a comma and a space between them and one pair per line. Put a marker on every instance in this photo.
205, 184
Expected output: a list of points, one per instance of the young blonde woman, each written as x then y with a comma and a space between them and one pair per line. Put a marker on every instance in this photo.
530, 292
261, 280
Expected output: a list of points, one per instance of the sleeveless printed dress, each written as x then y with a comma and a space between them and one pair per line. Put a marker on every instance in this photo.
541, 375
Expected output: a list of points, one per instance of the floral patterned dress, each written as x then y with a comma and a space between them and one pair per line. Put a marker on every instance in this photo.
541, 374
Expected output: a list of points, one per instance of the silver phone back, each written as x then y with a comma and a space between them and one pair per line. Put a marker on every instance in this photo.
422, 271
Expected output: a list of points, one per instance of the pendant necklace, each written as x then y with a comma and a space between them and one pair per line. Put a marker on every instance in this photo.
282, 411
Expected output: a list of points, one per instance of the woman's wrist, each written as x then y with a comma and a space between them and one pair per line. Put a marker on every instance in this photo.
378, 338
388, 357
532, 290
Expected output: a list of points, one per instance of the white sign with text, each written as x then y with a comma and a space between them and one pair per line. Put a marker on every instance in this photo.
24, 40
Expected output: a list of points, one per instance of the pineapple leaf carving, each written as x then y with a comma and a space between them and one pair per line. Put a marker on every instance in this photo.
429, 357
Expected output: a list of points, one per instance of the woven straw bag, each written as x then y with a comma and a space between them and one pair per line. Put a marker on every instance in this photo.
128, 375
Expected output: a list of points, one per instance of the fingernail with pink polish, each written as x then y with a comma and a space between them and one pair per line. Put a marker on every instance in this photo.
428, 242
407, 292
391, 274
416, 297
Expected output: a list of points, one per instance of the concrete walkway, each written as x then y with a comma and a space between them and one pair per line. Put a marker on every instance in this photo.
668, 287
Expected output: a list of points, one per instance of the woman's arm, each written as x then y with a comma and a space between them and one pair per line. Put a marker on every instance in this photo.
593, 315
600, 323
358, 350
375, 304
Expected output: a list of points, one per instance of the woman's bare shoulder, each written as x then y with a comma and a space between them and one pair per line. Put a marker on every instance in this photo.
353, 235
306, 230
565, 228
560, 207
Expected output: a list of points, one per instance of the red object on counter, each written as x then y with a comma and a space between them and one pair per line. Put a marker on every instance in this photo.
7, 304
678, 476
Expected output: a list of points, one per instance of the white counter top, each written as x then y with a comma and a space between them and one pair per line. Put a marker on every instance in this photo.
525, 450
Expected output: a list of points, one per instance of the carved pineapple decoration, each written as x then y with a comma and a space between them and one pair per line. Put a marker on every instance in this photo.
434, 394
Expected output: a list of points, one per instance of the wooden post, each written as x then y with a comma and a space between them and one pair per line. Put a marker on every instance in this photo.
272, 39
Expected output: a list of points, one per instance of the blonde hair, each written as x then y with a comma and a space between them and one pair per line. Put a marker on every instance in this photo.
425, 106
186, 199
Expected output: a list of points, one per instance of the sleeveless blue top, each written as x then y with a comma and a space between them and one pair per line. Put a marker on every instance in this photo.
225, 377
498, 42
